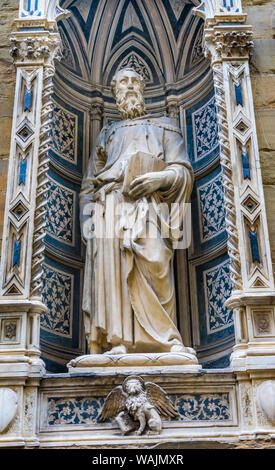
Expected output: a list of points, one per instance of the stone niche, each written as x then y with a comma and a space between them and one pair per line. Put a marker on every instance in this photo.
179, 83
196, 68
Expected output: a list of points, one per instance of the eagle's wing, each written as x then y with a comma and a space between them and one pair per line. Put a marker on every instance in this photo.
159, 398
114, 403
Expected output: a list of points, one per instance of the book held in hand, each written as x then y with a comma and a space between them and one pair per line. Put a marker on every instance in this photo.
139, 164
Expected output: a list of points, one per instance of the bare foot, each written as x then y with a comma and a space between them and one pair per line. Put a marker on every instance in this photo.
121, 349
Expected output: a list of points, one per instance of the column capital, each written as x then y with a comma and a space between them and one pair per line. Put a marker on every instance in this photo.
35, 50
228, 43
35, 39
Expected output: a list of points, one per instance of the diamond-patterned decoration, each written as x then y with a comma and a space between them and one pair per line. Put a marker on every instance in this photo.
19, 210
250, 203
25, 131
242, 127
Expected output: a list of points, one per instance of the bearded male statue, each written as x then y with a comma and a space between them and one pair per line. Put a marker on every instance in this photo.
129, 295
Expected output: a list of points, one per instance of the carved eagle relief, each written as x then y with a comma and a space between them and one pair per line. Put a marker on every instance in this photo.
136, 402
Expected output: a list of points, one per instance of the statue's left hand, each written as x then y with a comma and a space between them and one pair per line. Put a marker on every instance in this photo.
148, 183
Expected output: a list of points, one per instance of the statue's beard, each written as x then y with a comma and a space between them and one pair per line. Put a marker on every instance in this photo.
130, 104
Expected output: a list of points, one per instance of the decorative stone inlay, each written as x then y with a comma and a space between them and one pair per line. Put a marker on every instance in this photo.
217, 285
205, 129
211, 197
191, 407
64, 133
76, 410
202, 407
25, 131
250, 203
60, 212
19, 210
57, 295
242, 127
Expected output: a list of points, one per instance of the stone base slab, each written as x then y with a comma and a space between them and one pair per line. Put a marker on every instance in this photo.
181, 361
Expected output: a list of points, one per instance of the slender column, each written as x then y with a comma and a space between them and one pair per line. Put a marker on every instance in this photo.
172, 108
228, 44
96, 117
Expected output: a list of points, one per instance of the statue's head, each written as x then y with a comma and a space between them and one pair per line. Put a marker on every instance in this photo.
133, 385
128, 87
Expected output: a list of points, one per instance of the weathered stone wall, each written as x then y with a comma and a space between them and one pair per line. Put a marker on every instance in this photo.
261, 15
8, 11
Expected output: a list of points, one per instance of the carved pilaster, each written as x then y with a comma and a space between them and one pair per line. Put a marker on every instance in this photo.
213, 52
228, 44
42, 182
35, 46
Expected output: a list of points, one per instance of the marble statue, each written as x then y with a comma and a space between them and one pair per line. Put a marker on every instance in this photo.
139, 163
136, 405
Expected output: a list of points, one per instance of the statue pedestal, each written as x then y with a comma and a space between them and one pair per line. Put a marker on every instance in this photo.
180, 361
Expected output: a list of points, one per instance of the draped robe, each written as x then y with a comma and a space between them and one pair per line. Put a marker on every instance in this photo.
129, 293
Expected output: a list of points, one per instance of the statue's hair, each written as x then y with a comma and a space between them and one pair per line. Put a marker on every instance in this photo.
133, 377
125, 69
